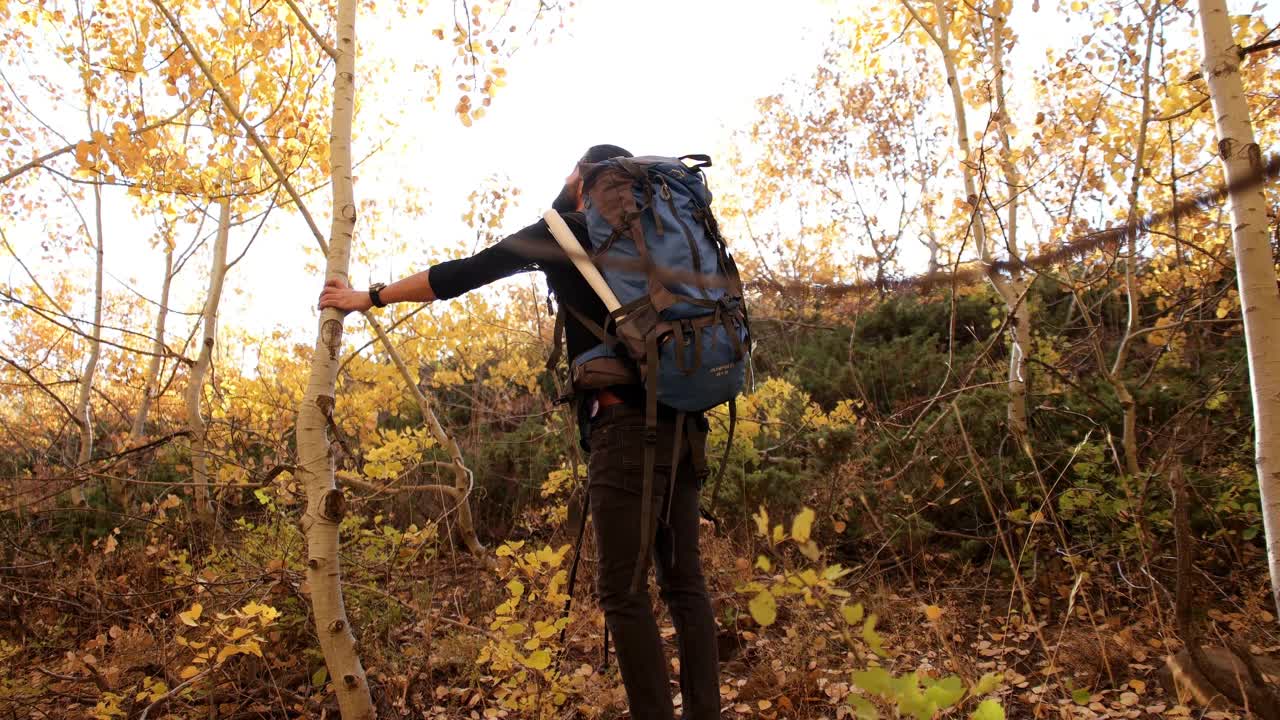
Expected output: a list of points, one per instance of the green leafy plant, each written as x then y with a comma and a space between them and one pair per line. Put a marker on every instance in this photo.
910, 695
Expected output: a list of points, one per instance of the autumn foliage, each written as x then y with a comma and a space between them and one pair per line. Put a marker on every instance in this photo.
949, 500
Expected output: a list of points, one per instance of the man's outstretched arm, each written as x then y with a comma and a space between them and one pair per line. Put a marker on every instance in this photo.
449, 279
415, 288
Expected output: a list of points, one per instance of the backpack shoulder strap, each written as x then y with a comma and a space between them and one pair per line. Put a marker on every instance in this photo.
592, 326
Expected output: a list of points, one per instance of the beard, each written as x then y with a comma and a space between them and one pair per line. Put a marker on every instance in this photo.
566, 201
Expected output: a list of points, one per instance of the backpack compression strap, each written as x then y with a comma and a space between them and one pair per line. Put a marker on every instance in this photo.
557, 340
650, 460
724, 461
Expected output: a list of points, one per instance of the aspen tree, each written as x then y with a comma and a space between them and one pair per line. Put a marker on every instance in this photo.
1012, 289
195, 385
151, 385
325, 501
1255, 266
84, 409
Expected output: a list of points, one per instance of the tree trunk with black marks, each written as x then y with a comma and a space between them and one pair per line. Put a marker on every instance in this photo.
1255, 267
195, 385
84, 409
325, 501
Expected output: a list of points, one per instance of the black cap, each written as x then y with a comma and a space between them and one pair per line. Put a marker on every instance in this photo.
600, 153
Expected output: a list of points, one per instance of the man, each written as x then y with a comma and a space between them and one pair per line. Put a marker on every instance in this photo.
612, 424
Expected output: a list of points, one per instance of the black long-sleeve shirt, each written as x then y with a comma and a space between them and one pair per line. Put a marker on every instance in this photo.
532, 248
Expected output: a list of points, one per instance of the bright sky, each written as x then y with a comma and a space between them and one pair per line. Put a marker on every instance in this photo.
658, 77
691, 77
673, 93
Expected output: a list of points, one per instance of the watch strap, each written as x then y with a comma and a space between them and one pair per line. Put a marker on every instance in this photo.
375, 294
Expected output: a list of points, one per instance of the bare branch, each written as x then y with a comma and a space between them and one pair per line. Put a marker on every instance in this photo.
302, 18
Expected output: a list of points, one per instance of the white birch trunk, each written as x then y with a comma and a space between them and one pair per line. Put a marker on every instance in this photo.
1255, 266
195, 384
1009, 290
118, 488
325, 502
151, 386
84, 410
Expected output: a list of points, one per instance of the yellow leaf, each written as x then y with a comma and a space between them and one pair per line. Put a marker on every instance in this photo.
810, 550
191, 615
539, 660
189, 671
227, 652
852, 613
764, 608
516, 588
265, 613
933, 613
82, 153
762, 522
802, 526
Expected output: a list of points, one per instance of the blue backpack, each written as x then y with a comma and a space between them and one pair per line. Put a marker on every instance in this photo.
682, 329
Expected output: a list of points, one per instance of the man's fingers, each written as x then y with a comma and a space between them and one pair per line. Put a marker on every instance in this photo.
335, 283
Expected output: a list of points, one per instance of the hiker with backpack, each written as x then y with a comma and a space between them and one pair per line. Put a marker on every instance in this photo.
652, 317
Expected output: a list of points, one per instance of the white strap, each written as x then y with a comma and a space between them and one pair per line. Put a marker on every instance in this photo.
563, 235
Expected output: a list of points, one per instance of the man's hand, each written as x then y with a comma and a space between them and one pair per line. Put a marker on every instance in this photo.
338, 295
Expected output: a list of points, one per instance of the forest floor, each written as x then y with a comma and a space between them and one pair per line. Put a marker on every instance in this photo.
1094, 651
92, 638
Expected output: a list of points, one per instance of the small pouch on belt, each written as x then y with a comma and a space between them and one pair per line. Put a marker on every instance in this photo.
603, 372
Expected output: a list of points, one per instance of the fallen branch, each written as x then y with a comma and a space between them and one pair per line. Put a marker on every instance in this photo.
176, 689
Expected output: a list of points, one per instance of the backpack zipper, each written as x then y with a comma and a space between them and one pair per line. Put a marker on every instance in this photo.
665, 192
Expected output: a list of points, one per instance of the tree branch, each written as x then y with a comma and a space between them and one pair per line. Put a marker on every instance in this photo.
37, 162
325, 46
230, 105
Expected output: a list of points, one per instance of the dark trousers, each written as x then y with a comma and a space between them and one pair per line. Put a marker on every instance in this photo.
616, 476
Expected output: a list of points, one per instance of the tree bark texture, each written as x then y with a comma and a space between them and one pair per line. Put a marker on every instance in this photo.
325, 501
84, 409
1255, 267
195, 384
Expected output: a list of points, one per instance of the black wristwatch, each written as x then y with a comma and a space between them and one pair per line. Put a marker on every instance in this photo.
375, 294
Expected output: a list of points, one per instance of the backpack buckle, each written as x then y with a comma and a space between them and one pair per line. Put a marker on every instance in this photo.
687, 334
